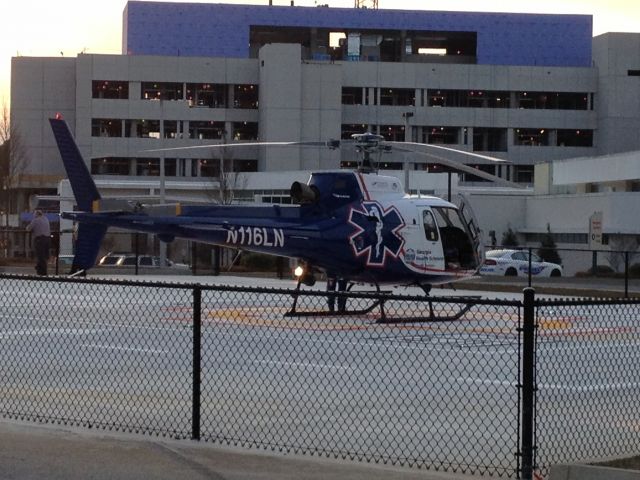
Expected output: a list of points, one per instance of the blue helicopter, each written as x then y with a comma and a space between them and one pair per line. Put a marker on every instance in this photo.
355, 226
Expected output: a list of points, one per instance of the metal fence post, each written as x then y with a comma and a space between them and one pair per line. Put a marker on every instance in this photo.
626, 274
529, 275
194, 258
528, 385
137, 251
197, 339
216, 260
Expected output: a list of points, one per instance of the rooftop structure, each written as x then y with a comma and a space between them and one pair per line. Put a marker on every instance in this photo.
238, 31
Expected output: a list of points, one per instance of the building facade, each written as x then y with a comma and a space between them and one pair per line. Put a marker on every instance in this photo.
526, 88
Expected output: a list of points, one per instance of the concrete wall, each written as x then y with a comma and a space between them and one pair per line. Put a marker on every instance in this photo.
40, 88
618, 100
570, 213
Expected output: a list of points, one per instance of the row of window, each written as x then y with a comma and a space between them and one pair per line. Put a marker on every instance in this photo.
487, 139
221, 95
467, 98
576, 238
193, 129
173, 167
211, 95
211, 168
519, 173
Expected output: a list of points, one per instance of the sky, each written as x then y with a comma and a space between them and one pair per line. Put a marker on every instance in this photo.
68, 27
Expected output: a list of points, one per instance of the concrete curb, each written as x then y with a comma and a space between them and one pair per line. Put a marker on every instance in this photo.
590, 472
33, 452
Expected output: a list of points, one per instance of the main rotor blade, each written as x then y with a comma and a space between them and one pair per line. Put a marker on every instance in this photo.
467, 169
247, 144
448, 149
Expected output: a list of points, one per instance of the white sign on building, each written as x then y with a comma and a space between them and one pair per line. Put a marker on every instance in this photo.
595, 231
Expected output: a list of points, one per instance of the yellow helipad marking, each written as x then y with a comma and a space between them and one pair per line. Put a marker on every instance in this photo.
274, 318
472, 322
555, 324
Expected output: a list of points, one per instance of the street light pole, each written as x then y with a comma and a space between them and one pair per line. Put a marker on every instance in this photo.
163, 245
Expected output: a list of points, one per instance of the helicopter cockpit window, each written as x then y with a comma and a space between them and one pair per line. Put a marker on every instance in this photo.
448, 217
430, 227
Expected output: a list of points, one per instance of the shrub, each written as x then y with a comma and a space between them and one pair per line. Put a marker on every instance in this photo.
258, 262
509, 239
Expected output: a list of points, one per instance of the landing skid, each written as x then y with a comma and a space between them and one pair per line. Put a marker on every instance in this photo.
432, 317
331, 311
379, 302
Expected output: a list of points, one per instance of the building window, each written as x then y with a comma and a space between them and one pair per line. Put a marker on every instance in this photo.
523, 173
389, 165
552, 100
206, 130
209, 168
106, 127
575, 138
110, 89
392, 133
350, 129
468, 98
577, 238
245, 96
171, 129
142, 128
110, 166
245, 165
148, 167
207, 95
245, 131
475, 98
441, 135
533, 137
161, 91
469, 177
489, 139
170, 167
398, 96
438, 98
352, 96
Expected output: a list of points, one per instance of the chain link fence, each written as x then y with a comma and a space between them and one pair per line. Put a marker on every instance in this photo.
443, 384
588, 380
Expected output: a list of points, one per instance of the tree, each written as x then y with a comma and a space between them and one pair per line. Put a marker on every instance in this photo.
509, 238
548, 250
13, 164
621, 246
229, 181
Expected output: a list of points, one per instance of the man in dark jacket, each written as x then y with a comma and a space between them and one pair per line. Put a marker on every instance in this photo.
41, 234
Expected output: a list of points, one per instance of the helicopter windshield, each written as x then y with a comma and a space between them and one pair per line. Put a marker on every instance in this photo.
456, 240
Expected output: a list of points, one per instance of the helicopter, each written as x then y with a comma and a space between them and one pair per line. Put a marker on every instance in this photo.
355, 226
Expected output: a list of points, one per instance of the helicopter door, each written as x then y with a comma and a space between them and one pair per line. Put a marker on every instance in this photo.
427, 248
471, 223
430, 227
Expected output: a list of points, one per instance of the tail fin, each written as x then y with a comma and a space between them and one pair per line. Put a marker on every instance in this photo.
87, 245
84, 189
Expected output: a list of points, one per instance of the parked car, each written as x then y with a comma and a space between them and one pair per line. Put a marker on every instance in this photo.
515, 263
129, 260
65, 260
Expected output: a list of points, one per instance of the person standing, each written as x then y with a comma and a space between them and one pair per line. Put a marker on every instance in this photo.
41, 233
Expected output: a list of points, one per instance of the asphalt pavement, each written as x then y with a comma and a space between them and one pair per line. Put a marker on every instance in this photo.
32, 451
